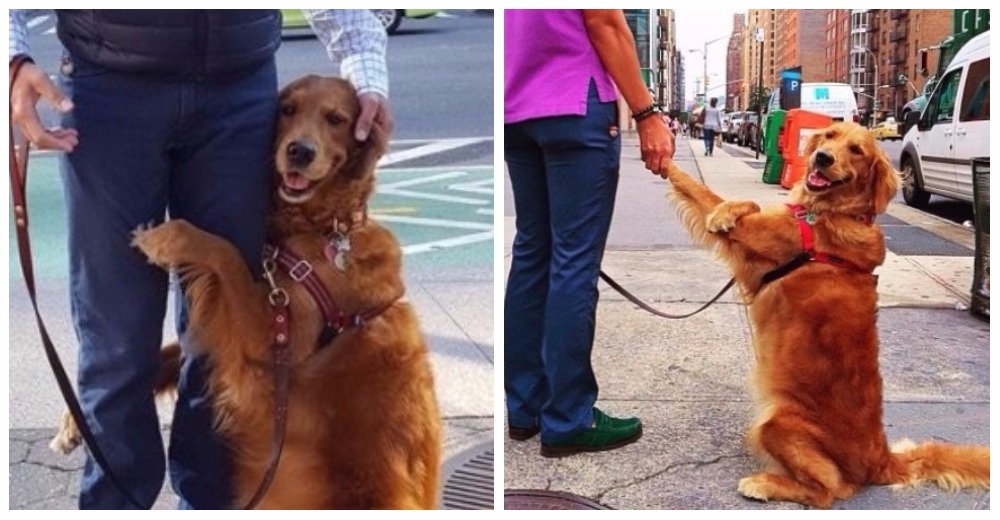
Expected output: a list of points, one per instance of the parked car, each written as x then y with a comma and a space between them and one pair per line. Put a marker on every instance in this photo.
733, 131
888, 129
391, 18
748, 130
953, 128
294, 22
726, 120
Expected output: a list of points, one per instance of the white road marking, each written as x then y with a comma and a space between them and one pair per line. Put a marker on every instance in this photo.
394, 189
432, 222
438, 146
447, 242
36, 21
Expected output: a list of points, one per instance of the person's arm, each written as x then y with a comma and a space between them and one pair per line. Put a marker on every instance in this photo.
355, 39
612, 39
31, 84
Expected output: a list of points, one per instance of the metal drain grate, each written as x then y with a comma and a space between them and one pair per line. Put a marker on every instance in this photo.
469, 479
913, 241
537, 499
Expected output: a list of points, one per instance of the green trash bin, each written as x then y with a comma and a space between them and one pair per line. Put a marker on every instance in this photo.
773, 164
981, 208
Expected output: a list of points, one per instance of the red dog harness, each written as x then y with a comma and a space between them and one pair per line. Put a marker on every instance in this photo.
805, 219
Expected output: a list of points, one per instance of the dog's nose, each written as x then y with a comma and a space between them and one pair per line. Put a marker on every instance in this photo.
300, 153
823, 158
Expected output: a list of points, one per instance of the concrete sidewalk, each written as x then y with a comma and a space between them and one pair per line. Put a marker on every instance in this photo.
687, 379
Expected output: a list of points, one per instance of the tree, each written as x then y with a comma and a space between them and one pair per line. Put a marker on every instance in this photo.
758, 96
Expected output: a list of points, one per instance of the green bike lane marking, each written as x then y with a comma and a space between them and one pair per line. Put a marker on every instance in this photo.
442, 216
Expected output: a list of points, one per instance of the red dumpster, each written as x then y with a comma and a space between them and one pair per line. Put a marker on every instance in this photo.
799, 125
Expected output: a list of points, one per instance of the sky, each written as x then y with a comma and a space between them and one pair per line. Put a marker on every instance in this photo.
694, 28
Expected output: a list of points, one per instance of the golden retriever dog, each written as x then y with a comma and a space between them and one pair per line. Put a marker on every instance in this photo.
363, 429
816, 378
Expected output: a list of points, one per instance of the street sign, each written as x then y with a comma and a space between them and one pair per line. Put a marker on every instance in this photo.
758, 34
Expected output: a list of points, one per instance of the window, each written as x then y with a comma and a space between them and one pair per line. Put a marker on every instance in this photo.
976, 96
942, 105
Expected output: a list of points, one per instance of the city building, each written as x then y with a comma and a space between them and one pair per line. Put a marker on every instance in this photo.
734, 81
800, 42
897, 35
838, 45
757, 66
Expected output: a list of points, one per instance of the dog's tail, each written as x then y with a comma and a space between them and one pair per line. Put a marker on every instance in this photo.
169, 371
68, 435
950, 466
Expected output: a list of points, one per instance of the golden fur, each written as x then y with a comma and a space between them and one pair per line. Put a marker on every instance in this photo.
363, 427
816, 377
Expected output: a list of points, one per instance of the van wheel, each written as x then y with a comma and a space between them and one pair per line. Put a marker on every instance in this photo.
913, 192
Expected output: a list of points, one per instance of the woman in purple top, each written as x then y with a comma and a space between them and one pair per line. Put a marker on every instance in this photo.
562, 150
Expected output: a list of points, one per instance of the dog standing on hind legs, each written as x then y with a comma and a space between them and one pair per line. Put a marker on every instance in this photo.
805, 271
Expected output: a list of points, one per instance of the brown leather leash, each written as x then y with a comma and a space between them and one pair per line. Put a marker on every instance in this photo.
646, 307
18, 186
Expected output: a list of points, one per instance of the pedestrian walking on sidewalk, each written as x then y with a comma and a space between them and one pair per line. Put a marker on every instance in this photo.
711, 124
562, 148
165, 111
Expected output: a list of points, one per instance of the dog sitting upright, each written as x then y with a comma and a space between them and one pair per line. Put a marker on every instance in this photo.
805, 270
363, 429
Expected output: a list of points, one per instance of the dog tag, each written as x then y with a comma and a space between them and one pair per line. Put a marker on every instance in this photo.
337, 249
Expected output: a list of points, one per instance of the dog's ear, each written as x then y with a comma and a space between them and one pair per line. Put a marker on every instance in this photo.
813, 143
885, 181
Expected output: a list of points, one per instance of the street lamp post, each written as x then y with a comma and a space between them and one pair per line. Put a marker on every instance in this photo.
759, 36
704, 64
874, 81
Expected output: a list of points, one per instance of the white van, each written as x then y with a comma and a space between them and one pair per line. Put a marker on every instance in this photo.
953, 127
836, 100
833, 99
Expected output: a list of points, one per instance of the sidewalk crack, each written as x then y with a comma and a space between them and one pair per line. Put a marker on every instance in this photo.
695, 464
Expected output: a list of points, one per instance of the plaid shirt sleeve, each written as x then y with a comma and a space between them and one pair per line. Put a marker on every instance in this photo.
18, 36
356, 40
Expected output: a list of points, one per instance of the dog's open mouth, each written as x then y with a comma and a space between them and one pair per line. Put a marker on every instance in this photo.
816, 181
296, 188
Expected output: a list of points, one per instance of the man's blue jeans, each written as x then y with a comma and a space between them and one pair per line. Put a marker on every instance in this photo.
564, 175
198, 151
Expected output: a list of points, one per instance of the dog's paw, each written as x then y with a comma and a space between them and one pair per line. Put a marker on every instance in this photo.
165, 244
755, 487
724, 216
68, 437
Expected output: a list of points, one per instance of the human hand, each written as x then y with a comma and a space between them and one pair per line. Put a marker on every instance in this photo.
374, 111
656, 144
32, 83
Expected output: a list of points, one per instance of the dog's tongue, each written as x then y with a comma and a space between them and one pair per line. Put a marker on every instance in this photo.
296, 181
815, 178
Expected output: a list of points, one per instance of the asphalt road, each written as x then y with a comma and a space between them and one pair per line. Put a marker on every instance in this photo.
440, 78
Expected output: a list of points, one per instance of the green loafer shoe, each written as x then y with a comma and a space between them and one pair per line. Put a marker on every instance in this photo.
608, 433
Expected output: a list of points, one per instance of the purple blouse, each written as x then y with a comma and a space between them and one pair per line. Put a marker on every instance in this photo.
548, 65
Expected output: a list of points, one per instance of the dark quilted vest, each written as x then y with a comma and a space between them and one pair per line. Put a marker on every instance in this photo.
196, 45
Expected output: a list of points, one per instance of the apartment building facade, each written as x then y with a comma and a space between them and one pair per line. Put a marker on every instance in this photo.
734, 80
758, 58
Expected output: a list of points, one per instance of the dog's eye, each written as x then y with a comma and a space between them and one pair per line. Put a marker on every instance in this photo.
287, 110
829, 135
855, 149
334, 118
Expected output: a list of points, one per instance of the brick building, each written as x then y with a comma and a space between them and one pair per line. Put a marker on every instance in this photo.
801, 42
899, 34
837, 53
750, 63
733, 57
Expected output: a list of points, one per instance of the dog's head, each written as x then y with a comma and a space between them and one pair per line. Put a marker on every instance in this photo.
314, 135
846, 171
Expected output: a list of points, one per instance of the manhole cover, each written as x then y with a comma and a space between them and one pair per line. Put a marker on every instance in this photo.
468, 479
536, 499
